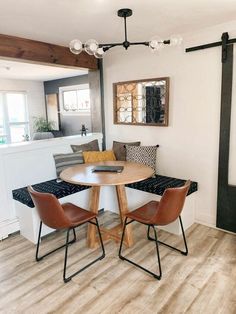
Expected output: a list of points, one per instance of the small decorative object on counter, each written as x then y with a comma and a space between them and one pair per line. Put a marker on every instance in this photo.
83, 130
26, 137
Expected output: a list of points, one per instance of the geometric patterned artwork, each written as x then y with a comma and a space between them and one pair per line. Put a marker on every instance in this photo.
142, 102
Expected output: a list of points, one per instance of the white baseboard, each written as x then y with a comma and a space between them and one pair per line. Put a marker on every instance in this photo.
8, 226
214, 227
205, 219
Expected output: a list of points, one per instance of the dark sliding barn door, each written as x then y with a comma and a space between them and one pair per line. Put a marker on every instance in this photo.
226, 202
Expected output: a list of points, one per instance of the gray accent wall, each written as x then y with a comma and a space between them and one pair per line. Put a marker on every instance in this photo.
52, 87
70, 124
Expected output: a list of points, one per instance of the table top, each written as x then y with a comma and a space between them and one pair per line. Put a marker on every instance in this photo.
82, 174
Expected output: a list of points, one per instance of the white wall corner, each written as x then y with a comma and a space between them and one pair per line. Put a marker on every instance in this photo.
8, 226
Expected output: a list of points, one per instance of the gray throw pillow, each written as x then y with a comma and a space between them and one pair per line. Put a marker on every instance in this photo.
90, 146
146, 155
63, 161
119, 149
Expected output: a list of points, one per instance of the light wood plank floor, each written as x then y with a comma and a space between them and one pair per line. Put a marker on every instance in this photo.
202, 282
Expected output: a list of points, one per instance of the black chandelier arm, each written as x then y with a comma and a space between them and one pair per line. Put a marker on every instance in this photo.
110, 45
145, 43
106, 47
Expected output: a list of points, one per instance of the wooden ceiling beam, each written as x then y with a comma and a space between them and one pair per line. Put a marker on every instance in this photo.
36, 51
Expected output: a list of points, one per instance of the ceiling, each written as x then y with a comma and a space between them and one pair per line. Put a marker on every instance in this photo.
36, 72
59, 21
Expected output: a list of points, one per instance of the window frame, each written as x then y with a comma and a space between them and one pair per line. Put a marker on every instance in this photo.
63, 89
6, 120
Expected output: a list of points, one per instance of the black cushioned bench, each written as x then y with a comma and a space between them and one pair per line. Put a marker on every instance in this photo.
59, 189
158, 184
155, 185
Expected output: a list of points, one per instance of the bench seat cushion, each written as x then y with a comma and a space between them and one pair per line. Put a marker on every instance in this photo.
59, 189
158, 184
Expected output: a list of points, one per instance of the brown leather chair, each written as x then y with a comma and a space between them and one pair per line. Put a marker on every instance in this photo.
65, 216
159, 214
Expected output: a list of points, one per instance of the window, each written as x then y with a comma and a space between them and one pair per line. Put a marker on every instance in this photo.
75, 99
14, 124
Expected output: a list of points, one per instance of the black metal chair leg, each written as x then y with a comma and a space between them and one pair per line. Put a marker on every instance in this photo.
39, 258
100, 238
39, 238
74, 240
148, 233
66, 279
169, 246
158, 254
135, 264
66, 252
185, 242
122, 239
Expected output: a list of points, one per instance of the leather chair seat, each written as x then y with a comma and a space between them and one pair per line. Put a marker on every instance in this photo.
145, 214
77, 215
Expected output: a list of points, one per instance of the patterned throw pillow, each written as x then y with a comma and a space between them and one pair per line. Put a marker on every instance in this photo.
146, 155
119, 149
90, 146
107, 155
63, 161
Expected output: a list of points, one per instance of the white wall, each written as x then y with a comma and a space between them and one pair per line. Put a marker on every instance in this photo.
20, 166
189, 145
35, 96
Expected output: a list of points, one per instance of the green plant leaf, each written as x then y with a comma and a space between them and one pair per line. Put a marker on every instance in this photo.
43, 125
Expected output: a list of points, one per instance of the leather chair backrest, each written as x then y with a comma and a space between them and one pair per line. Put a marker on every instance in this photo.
171, 204
49, 209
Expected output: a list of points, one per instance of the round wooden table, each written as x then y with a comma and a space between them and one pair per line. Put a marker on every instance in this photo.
83, 174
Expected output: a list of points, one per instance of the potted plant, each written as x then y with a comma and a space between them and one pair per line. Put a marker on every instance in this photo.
42, 128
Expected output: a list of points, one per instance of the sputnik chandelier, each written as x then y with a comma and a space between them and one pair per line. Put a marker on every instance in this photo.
92, 47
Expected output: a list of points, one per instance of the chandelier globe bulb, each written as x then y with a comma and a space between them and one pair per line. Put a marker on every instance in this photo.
91, 46
99, 53
156, 43
76, 46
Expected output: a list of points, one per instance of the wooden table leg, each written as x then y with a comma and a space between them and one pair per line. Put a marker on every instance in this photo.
93, 206
123, 207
